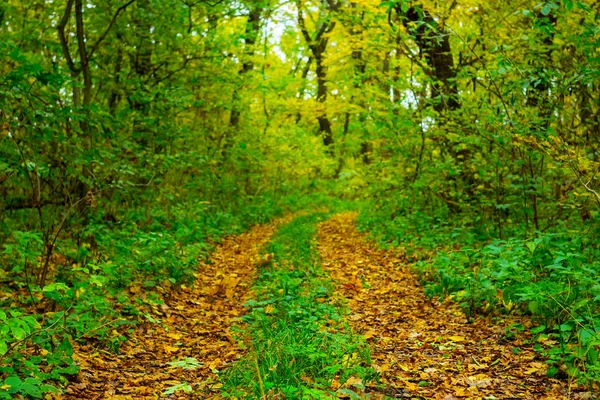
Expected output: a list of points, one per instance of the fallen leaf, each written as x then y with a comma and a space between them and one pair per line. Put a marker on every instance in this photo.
353, 381
171, 349
269, 309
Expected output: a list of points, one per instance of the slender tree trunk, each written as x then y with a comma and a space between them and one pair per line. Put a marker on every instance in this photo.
302, 92
250, 37
538, 99
318, 47
142, 65
324, 123
359, 68
115, 95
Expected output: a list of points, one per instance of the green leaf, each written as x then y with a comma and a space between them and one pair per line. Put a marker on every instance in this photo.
31, 322
45, 388
54, 287
66, 347
187, 363
533, 307
566, 327
3, 347
592, 355
538, 329
31, 387
14, 382
581, 5
547, 9
586, 336
568, 4
175, 388
18, 332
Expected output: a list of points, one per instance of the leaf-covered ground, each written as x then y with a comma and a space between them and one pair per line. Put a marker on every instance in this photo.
424, 349
421, 348
192, 339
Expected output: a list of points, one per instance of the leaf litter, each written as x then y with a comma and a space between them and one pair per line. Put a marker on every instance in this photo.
187, 340
423, 348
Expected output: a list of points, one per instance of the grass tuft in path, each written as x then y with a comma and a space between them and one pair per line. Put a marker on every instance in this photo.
298, 343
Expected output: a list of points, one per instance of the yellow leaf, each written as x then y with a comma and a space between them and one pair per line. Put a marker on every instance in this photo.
369, 334
231, 281
170, 349
457, 338
269, 309
214, 364
531, 371
353, 380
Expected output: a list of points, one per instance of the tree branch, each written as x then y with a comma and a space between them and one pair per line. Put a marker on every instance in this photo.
109, 27
319, 43
302, 25
325, 27
63, 39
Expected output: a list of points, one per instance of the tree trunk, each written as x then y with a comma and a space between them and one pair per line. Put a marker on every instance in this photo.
318, 46
142, 65
434, 46
250, 38
324, 123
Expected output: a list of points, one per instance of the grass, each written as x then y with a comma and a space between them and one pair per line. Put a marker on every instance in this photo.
298, 343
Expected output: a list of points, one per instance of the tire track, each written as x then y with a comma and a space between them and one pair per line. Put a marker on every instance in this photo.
193, 323
421, 348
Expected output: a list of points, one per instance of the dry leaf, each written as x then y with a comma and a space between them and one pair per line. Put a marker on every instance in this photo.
269, 309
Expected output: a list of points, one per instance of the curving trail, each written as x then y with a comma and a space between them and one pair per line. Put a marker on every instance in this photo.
193, 323
424, 349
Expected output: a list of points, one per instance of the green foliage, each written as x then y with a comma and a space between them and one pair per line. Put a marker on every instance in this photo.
30, 375
91, 298
132, 139
553, 277
184, 386
299, 340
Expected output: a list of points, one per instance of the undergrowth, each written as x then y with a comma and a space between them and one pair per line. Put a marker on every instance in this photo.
298, 345
552, 276
95, 294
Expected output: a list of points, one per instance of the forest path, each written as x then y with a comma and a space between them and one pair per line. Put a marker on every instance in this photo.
421, 348
192, 323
